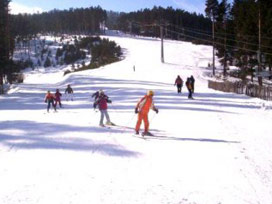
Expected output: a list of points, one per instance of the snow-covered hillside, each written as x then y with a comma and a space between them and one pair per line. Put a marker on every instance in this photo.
215, 149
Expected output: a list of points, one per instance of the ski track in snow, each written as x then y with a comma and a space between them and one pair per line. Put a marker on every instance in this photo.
214, 149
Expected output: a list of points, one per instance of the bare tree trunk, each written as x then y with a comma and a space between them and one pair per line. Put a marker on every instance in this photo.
213, 47
1, 82
270, 70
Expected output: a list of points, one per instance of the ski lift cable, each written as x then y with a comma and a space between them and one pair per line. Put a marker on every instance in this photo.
238, 41
210, 41
220, 33
198, 30
206, 34
145, 25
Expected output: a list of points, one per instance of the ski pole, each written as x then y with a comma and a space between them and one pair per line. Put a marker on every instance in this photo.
152, 118
114, 109
130, 120
93, 113
127, 124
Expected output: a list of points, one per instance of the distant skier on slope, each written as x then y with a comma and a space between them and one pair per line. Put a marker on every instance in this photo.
193, 83
49, 99
179, 83
142, 108
189, 87
102, 101
69, 93
58, 98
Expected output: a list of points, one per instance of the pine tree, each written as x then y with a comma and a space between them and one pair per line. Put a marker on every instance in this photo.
222, 19
245, 21
266, 11
4, 41
211, 9
212, 12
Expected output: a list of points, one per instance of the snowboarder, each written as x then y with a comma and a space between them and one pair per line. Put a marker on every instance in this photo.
102, 101
189, 87
69, 93
179, 83
142, 108
58, 98
193, 83
49, 99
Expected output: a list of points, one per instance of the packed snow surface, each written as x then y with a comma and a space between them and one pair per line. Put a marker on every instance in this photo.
215, 149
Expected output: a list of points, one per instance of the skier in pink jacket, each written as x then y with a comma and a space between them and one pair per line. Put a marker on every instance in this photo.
58, 98
102, 103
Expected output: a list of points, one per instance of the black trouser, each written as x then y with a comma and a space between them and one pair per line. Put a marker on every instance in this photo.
49, 102
179, 88
190, 93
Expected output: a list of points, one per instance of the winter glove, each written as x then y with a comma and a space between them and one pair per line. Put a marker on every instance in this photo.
109, 101
156, 110
94, 106
136, 110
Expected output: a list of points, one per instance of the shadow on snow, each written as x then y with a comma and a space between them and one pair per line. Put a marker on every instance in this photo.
190, 139
124, 92
34, 135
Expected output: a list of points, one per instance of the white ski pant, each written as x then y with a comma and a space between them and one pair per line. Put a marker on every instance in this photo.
69, 97
104, 113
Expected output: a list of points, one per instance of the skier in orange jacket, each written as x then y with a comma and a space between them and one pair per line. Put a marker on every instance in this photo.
142, 108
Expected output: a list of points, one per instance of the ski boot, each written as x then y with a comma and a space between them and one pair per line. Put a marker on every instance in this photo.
147, 134
110, 123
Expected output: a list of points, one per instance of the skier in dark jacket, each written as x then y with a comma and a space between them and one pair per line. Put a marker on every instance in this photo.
192, 83
179, 83
101, 102
49, 99
69, 93
95, 95
189, 87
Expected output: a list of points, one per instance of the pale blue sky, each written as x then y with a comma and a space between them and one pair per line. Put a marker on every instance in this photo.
30, 6
115, 5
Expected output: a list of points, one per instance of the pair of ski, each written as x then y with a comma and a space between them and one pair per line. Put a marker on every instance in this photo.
47, 112
143, 135
107, 125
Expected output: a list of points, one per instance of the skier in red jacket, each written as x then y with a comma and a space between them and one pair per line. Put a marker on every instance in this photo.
49, 99
179, 83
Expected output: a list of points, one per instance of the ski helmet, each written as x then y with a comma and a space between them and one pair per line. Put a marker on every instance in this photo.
150, 93
101, 91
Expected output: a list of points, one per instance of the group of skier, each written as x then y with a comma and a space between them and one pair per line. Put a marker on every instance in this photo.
142, 108
55, 99
101, 101
190, 84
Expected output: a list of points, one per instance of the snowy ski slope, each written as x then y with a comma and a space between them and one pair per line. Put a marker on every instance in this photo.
215, 149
